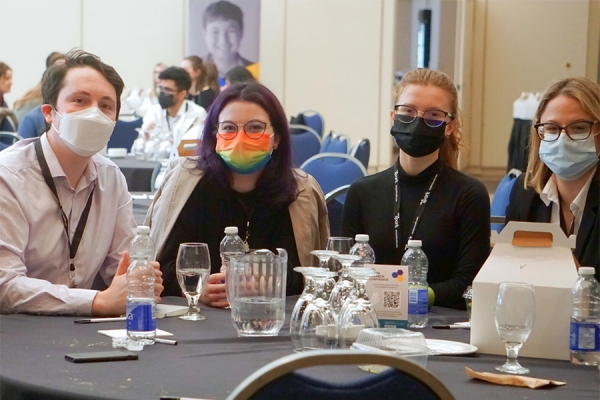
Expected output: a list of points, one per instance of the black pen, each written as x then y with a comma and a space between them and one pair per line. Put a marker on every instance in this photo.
450, 327
96, 320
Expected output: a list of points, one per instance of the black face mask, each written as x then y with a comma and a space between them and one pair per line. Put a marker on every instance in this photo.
166, 100
417, 139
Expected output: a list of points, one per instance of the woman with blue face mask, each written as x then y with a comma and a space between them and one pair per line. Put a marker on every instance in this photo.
561, 181
241, 176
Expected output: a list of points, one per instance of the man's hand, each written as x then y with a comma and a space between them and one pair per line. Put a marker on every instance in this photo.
111, 302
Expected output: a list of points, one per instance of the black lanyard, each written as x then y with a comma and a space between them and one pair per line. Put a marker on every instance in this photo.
74, 245
420, 207
167, 116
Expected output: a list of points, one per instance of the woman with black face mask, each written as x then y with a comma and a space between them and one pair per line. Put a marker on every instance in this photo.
423, 196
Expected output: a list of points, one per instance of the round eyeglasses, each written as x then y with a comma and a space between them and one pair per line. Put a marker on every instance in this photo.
253, 129
578, 130
432, 118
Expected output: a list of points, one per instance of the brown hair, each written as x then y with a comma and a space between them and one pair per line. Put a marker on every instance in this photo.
212, 76
582, 89
198, 65
427, 77
54, 77
4, 69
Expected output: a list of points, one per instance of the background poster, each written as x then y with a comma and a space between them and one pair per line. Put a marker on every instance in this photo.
221, 41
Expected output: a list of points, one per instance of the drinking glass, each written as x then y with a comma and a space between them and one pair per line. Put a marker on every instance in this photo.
358, 312
340, 244
514, 313
317, 329
344, 284
324, 256
307, 296
193, 269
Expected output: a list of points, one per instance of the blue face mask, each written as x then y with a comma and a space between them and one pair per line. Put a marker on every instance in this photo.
569, 159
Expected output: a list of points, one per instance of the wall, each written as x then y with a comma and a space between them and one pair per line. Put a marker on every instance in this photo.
518, 45
131, 35
337, 56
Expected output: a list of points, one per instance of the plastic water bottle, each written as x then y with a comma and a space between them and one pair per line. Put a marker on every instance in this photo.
141, 303
231, 245
585, 321
363, 249
417, 263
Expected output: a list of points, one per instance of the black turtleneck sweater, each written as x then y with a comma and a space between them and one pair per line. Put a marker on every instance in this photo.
454, 227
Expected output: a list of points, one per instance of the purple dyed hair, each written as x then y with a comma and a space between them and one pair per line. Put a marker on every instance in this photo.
277, 182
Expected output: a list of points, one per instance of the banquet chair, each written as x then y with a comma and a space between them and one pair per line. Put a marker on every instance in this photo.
332, 170
314, 120
362, 152
501, 198
335, 207
305, 144
335, 143
9, 138
124, 134
280, 379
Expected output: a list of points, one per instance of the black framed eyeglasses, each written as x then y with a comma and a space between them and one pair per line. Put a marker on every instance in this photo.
578, 130
168, 91
253, 129
432, 118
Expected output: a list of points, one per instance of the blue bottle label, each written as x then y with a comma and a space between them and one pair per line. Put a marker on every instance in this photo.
584, 337
140, 318
417, 301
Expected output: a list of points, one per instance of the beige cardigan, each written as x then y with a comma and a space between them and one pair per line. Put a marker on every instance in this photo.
308, 212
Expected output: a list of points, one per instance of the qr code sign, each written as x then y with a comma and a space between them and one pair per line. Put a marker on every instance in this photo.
391, 299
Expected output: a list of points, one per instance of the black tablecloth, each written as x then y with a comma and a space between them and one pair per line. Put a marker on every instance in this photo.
210, 361
138, 173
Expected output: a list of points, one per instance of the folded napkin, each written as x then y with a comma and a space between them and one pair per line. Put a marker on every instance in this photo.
513, 380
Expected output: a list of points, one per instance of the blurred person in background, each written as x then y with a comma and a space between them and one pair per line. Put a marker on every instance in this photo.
33, 97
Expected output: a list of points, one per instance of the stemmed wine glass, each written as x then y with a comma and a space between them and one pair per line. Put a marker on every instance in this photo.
324, 256
307, 296
514, 313
344, 284
340, 244
193, 269
317, 328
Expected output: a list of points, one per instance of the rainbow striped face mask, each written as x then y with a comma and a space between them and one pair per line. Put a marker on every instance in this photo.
244, 155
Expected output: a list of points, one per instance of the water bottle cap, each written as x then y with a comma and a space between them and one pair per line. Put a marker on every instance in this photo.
231, 230
361, 238
587, 270
414, 243
143, 230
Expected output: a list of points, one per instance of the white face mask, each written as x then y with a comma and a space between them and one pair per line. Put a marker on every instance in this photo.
85, 132
569, 159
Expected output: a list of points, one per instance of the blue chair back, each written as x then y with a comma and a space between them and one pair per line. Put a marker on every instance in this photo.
335, 143
305, 144
6, 125
314, 120
7, 139
33, 124
362, 152
280, 379
332, 170
124, 134
335, 207
502, 195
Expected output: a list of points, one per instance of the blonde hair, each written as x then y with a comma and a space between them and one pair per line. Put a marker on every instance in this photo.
152, 93
581, 89
425, 77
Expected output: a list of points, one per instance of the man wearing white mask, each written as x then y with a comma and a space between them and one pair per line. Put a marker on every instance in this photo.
174, 117
66, 213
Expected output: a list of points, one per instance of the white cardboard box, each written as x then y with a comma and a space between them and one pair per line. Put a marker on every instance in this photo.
388, 293
552, 272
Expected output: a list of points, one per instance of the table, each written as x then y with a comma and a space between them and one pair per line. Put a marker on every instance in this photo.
210, 361
138, 173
